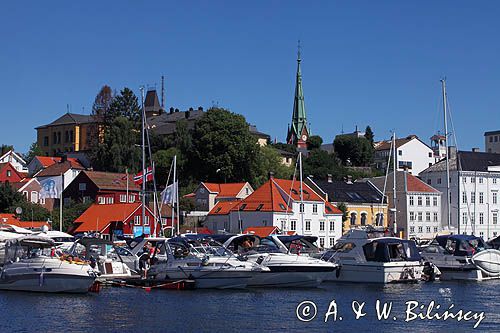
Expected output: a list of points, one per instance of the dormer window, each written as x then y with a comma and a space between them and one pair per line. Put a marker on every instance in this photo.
259, 207
242, 207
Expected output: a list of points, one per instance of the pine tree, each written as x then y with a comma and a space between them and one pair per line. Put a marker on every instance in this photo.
369, 134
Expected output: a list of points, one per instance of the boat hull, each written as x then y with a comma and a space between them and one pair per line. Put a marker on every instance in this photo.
378, 273
49, 283
288, 279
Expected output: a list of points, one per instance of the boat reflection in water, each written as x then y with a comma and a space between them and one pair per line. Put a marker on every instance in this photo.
30, 266
463, 257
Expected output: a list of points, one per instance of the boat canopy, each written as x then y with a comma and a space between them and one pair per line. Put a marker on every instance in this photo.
289, 239
30, 241
391, 249
461, 245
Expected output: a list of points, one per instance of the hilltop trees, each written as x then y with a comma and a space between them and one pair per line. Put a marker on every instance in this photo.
314, 142
353, 150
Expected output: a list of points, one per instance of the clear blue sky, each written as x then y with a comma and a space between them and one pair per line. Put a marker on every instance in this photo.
364, 63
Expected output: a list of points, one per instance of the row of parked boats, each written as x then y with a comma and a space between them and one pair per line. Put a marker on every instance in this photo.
53, 262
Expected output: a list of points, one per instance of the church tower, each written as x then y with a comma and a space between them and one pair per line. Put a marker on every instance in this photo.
298, 132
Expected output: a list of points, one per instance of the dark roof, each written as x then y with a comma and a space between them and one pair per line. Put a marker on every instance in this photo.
254, 131
328, 147
284, 153
491, 133
112, 181
70, 118
57, 169
173, 117
468, 161
355, 192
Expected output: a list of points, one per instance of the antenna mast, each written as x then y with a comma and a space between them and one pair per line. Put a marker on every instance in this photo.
445, 113
163, 92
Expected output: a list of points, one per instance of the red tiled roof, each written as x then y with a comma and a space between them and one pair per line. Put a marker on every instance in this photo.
47, 161
223, 207
225, 190
414, 184
98, 217
385, 145
57, 169
261, 231
13, 220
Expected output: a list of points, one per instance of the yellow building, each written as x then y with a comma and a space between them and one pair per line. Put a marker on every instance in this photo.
69, 133
364, 202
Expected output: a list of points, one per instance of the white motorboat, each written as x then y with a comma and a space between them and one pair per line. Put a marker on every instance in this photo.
174, 260
367, 255
29, 266
285, 269
463, 257
103, 256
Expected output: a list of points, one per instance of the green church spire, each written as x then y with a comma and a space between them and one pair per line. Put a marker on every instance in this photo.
299, 131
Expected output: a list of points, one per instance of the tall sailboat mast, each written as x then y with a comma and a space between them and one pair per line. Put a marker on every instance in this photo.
395, 225
301, 209
143, 199
445, 115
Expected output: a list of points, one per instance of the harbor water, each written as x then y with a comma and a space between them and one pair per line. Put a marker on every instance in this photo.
253, 310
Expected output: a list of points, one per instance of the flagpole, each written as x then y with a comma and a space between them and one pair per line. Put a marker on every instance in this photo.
155, 203
61, 204
172, 200
176, 189
126, 173
143, 214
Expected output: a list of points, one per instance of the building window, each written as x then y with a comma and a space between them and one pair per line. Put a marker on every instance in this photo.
322, 242
226, 225
131, 198
427, 201
332, 226
494, 198
464, 197
45, 141
321, 225
82, 186
472, 218
419, 216
101, 200
283, 225
464, 179
411, 200
146, 220
308, 225
481, 218
42, 201
9, 173
435, 201
123, 198
293, 225
109, 200
420, 229
481, 197
353, 218
301, 207
428, 229
315, 209
363, 218
332, 241
480, 180
379, 219
481, 234
439, 180
137, 220
427, 216
419, 201
400, 152
412, 216
34, 197
26, 195
494, 180
472, 179
495, 218
412, 229
435, 217
464, 218
435, 229
429, 181
264, 223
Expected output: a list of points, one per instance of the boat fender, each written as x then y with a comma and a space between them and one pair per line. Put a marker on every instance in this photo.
337, 272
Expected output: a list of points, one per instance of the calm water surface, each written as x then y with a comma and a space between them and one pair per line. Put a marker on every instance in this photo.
258, 310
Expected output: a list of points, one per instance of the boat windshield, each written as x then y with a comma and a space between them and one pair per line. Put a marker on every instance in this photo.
299, 244
251, 244
388, 250
17, 252
462, 245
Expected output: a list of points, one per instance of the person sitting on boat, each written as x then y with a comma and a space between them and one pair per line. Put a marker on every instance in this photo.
246, 245
145, 258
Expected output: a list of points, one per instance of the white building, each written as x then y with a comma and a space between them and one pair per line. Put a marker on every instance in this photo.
412, 154
15, 159
418, 205
492, 142
278, 203
474, 191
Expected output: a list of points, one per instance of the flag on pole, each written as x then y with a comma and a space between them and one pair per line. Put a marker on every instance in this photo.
169, 194
149, 176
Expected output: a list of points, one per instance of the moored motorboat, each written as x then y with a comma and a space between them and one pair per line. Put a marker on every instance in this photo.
367, 255
30, 266
463, 257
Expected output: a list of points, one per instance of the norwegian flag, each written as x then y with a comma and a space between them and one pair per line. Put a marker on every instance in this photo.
149, 176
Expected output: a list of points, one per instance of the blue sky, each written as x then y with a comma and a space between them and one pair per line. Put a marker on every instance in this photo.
364, 63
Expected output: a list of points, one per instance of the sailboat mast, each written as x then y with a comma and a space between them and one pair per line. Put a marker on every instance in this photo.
445, 113
395, 226
301, 210
143, 214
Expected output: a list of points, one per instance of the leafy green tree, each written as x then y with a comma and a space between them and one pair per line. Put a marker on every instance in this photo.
163, 160
125, 105
119, 149
222, 147
285, 147
183, 140
269, 160
320, 163
70, 213
30, 211
343, 208
5, 148
8, 197
369, 135
353, 150
35, 150
314, 142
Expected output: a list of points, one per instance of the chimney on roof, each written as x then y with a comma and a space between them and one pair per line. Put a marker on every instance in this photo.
329, 177
271, 175
176, 110
475, 150
64, 158
171, 110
